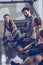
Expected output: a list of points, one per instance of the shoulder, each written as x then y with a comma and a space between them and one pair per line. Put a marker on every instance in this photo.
11, 21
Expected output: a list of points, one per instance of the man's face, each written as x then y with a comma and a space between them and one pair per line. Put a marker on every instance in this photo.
6, 18
26, 13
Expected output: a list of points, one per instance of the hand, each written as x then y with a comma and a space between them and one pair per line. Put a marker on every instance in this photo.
10, 36
20, 48
25, 39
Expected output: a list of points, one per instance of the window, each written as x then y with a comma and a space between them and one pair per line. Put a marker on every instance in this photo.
4, 0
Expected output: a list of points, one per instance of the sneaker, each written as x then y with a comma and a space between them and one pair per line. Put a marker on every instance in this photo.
13, 63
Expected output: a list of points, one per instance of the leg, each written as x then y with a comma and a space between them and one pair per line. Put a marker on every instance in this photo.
38, 58
28, 61
41, 62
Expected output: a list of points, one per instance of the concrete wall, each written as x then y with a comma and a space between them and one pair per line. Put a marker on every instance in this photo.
14, 10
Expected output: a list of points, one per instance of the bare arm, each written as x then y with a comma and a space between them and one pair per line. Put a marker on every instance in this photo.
14, 27
29, 46
26, 47
4, 30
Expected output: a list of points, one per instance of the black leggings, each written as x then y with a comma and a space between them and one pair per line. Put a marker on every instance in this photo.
41, 63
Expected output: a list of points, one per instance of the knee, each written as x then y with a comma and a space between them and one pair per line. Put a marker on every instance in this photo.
38, 58
30, 59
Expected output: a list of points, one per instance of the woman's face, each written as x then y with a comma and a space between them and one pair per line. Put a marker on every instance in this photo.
6, 18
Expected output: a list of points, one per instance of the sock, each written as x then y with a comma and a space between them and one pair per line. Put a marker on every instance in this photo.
41, 63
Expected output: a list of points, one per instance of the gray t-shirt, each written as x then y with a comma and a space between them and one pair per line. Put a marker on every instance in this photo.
30, 28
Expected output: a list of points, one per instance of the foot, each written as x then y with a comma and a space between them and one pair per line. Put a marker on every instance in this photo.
13, 63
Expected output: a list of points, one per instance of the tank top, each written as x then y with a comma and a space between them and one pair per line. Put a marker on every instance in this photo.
8, 26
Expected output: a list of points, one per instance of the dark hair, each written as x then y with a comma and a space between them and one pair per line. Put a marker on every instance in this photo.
38, 21
6, 15
25, 8
41, 33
